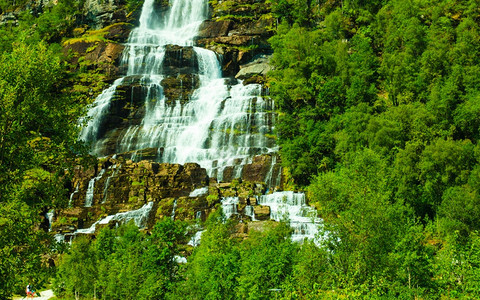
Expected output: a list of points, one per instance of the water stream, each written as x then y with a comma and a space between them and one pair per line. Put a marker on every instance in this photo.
220, 125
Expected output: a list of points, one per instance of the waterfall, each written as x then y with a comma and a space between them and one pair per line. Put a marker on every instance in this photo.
229, 206
91, 187
199, 192
196, 238
250, 212
70, 201
139, 216
218, 126
107, 182
50, 215
173, 209
215, 122
291, 207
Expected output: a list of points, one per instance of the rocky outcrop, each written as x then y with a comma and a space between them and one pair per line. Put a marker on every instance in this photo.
256, 71
179, 60
99, 14
239, 32
180, 66
180, 87
117, 184
94, 56
264, 168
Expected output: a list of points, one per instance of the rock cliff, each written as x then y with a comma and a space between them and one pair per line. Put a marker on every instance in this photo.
117, 184
238, 33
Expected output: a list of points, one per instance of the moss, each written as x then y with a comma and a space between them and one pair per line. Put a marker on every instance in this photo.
92, 36
239, 48
211, 199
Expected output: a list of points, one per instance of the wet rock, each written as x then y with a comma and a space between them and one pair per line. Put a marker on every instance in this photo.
123, 185
179, 60
258, 169
241, 34
180, 87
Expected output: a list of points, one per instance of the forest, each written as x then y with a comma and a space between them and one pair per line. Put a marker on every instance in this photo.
379, 122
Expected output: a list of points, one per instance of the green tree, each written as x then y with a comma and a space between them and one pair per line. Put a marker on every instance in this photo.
77, 271
214, 265
38, 130
266, 261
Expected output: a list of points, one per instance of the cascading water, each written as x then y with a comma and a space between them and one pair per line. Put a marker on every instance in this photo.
229, 206
139, 217
291, 207
50, 215
107, 183
70, 201
219, 126
91, 187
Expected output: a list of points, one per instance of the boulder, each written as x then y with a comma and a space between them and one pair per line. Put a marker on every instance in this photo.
262, 213
259, 67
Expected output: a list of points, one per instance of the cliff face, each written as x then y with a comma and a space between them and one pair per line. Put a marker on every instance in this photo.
237, 32
117, 184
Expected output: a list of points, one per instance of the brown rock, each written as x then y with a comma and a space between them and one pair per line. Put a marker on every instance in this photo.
179, 60
258, 169
211, 29
180, 87
119, 32
262, 213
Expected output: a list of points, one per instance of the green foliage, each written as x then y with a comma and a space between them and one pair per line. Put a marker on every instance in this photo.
37, 124
213, 269
378, 117
123, 263
21, 249
266, 262
37, 145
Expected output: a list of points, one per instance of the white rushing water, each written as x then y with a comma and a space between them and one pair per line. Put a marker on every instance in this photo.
291, 207
107, 182
91, 188
199, 192
229, 206
50, 215
219, 126
196, 239
139, 217
70, 200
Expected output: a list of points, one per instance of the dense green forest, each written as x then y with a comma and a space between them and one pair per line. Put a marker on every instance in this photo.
379, 106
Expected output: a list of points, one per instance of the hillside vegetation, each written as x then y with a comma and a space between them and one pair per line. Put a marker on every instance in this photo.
379, 105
